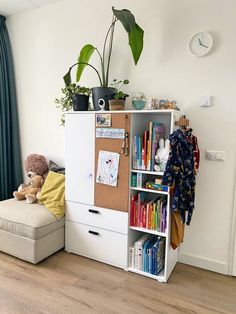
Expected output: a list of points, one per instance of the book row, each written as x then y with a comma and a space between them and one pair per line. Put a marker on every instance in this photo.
149, 214
148, 254
145, 146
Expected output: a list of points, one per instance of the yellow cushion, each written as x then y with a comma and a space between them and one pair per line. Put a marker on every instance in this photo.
52, 195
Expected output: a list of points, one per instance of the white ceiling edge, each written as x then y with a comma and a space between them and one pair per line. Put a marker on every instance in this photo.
11, 7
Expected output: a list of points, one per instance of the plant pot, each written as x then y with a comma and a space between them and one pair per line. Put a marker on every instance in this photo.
80, 102
117, 104
100, 96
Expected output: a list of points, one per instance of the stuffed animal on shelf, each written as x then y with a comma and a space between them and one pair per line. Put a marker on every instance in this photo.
36, 168
162, 155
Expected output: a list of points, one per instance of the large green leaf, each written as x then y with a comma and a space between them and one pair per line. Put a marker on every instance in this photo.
84, 57
126, 18
136, 42
67, 78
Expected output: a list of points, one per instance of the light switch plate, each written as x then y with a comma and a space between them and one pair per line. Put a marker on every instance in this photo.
205, 101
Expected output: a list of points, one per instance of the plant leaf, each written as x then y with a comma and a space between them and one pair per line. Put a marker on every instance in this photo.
125, 17
136, 42
85, 54
67, 78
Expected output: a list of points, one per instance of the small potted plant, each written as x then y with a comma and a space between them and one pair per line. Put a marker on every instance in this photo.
117, 99
73, 97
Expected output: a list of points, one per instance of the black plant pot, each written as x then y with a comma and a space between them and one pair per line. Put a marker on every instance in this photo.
80, 102
100, 96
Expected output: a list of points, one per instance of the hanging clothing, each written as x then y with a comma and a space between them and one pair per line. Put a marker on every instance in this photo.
180, 172
177, 230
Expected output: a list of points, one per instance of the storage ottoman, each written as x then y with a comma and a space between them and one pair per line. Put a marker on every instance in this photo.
29, 231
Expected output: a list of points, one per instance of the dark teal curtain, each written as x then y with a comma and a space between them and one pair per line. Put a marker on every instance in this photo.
10, 157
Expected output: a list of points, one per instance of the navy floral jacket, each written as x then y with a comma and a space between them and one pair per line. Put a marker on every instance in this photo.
180, 173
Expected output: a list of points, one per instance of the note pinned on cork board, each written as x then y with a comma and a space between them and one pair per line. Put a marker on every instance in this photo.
108, 167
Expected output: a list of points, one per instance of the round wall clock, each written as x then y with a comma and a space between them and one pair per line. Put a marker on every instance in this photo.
201, 44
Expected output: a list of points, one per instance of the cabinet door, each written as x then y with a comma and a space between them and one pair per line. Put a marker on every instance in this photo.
80, 148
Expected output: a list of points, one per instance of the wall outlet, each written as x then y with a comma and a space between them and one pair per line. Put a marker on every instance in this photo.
215, 155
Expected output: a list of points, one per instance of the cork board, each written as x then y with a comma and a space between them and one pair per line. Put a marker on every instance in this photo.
106, 196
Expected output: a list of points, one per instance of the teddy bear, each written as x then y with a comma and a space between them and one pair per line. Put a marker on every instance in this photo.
162, 155
36, 168
29, 191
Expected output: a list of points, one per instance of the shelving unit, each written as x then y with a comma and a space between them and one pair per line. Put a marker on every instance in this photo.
139, 123
98, 215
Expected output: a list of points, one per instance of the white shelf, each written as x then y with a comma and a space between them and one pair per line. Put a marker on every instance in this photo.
162, 234
159, 277
125, 111
149, 190
155, 173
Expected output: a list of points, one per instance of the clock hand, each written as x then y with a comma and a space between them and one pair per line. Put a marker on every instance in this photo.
201, 43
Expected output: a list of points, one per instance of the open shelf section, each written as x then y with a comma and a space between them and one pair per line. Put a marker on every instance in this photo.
155, 232
159, 277
149, 190
154, 173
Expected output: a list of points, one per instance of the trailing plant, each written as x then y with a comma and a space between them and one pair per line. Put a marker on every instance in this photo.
117, 85
65, 102
135, 37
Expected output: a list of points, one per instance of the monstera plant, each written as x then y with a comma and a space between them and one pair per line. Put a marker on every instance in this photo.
135, 38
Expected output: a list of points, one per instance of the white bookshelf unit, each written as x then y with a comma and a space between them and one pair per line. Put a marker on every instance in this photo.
94, 227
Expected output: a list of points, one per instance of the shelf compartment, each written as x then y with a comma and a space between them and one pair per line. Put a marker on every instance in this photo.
149, 190
160, 277
154, 173
155, 232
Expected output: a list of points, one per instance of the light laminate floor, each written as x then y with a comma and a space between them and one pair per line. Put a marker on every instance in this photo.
67, 283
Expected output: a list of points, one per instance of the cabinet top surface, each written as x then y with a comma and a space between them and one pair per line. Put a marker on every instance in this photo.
124, 111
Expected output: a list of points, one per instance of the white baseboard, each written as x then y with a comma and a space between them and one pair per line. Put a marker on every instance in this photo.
216, 266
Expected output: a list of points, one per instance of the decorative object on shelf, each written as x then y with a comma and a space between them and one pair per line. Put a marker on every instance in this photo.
139, 101
168, 104
73, 97
201, 44
117, 100
162, 155
103, 119
135, 35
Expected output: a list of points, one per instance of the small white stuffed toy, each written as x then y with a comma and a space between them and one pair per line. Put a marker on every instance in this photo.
162, 155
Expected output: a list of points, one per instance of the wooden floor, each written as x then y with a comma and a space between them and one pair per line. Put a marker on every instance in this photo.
67, 283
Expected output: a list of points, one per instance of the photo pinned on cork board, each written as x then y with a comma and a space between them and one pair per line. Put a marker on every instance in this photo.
103, 119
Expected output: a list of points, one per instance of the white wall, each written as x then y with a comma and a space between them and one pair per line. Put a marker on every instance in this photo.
46, 41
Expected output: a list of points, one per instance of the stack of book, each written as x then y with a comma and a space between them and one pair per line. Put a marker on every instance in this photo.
149, 214
148, 254
145, 146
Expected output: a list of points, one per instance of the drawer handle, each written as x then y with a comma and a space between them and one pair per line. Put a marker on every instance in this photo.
94, 211
93, 232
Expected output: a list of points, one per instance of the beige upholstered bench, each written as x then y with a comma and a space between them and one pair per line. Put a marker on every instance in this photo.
29, 231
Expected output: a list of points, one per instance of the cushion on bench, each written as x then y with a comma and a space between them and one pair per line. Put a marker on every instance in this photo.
33, 221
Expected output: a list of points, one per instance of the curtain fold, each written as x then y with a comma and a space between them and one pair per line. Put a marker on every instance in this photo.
10, 155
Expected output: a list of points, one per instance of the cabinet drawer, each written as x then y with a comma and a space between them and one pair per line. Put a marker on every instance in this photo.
96, 216
99, 244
